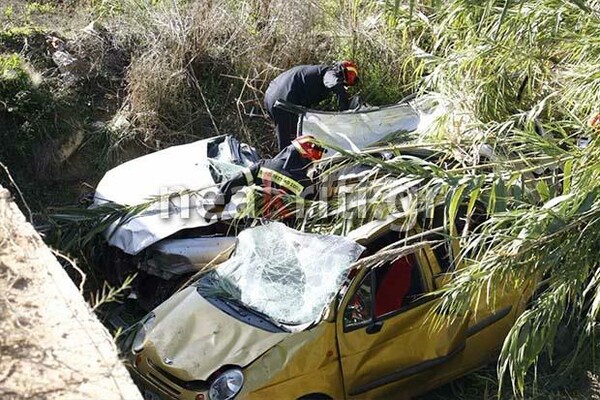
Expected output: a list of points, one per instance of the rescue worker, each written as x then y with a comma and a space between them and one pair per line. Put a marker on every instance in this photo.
307, 85
286, 173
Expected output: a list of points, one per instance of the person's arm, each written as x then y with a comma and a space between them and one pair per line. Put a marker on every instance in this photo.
342, 98
334, 81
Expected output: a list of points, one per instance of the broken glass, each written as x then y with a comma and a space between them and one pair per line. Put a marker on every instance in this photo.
285, 274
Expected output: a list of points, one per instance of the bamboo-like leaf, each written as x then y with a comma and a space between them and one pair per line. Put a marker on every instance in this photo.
543, 190
502, 17
473, 198
567, 176
581, 4
456, 199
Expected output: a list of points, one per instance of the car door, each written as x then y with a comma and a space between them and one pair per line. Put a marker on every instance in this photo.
385, 331
495, 311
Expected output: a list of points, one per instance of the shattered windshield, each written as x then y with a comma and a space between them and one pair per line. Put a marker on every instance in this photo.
288, 276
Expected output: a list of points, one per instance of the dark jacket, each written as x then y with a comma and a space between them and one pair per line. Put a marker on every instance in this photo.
307, 85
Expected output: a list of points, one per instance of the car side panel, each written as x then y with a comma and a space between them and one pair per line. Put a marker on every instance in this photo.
406, 349
483, 347
307, 362
408, 344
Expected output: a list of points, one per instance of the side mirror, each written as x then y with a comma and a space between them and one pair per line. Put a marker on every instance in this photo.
374, 327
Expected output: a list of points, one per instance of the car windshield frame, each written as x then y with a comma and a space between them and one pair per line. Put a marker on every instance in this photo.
239, 310
282, 275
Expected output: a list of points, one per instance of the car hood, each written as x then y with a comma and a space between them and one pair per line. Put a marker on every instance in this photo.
191, 338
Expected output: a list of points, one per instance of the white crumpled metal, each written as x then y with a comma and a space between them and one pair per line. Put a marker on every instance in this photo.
286, 274
175, 169
357, 130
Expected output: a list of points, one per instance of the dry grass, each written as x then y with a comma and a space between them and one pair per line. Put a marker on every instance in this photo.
199, 68
203, 66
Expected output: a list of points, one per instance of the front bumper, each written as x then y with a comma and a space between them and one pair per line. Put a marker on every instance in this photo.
152, 379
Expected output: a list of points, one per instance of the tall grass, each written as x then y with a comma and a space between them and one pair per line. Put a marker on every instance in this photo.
200, 67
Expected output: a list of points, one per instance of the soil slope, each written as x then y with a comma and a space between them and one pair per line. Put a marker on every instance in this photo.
51, 344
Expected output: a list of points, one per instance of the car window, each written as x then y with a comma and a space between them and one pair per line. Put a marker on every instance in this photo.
384, 291
443, 250
358, 310
398, 284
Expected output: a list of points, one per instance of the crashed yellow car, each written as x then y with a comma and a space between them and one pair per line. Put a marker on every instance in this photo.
290, 316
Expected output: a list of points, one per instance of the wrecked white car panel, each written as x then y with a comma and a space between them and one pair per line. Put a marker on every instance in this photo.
206, 163
353, 131
368, 126
190, 167
285, 274
199, 251
177, 257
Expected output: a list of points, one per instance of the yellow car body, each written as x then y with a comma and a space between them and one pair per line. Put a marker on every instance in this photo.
346, 355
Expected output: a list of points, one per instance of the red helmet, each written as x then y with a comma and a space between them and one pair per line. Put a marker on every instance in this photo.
308, 147
350, 73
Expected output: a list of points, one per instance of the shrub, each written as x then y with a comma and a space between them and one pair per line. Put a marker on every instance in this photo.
25, 110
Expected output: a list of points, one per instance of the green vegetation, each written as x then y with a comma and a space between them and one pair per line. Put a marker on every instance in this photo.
14, 75
8, 12
24, 109
520, 79
39, 8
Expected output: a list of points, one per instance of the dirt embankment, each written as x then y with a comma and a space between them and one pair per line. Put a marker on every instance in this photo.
51, 344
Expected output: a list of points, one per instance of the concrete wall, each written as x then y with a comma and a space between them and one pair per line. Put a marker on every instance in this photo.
51, 344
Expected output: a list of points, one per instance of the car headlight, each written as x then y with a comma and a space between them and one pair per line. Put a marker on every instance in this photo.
140, 336
227, 385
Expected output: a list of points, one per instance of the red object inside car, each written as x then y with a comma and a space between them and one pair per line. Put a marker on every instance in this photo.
394, 287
